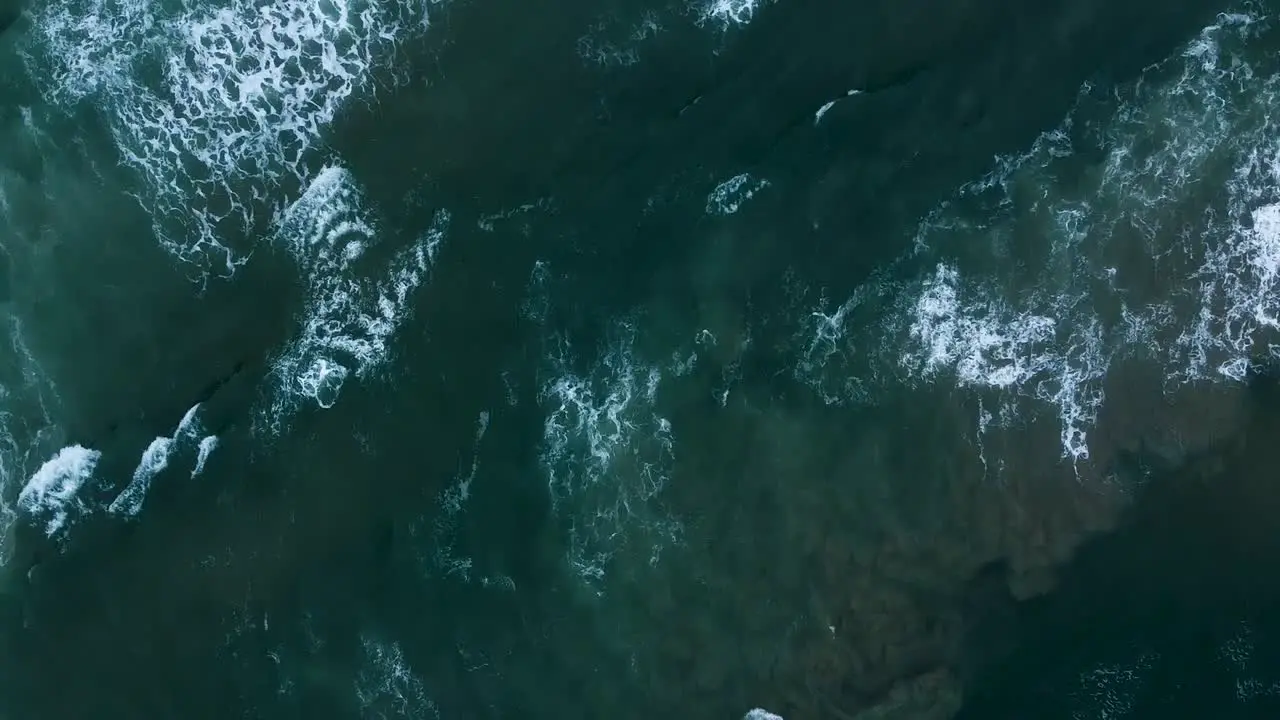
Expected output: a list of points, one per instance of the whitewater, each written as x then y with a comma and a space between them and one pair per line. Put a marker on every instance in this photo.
1154, 206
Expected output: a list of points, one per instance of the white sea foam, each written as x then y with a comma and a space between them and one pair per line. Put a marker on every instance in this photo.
155, 459
1253, 679
729, 196
189, 425
1043, 272
51, 495
518, 215
607, 453
1110, 690
982, 342
611, 42
826, 107
350, 316
387, 687
725, 14
207, 445
215, 107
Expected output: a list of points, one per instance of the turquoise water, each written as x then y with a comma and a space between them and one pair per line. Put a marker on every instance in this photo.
423, 359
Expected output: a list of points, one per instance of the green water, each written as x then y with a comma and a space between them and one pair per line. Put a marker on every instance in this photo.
606, 470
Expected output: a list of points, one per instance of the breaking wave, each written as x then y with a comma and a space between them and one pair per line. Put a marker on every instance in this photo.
156, 458
56, 496
51, 495
356, 296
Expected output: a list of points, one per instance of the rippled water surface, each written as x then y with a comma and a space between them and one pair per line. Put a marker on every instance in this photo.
469, 358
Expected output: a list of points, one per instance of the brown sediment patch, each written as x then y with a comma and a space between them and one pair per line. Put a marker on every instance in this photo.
1143, 615
866, 563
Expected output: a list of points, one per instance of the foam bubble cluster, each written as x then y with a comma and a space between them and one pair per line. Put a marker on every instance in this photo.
156, 458
728, 13
215, 107
1111, 690
611, 43
356, 294
981, 342
729, 196
607, 454
51, 495
984, 343
387, 687
1254, 680
1147, 224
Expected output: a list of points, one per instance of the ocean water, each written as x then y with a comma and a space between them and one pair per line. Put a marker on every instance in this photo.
726, 359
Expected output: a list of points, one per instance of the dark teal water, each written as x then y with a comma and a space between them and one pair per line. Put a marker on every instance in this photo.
1173, 615
671, 390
